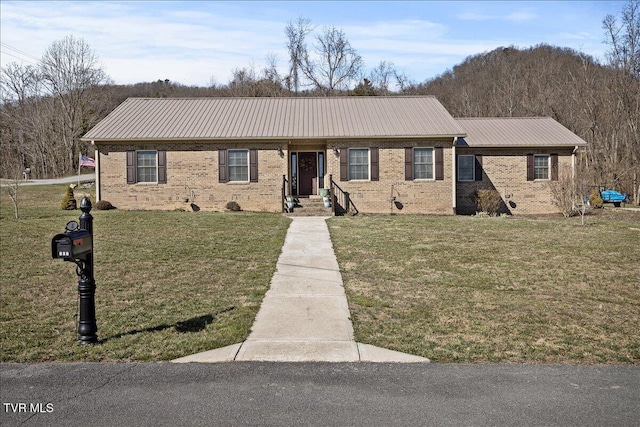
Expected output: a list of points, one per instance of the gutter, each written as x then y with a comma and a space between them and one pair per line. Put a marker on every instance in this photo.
454, 189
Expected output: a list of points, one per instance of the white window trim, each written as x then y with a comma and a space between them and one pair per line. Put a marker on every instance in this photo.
548, 157
433, 163
229, 180
473, 168
368, 164
137, 166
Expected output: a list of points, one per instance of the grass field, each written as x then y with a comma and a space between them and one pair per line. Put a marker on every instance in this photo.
169, 284
468, 289
453, 289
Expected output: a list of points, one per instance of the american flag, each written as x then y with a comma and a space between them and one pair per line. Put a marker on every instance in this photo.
87, 161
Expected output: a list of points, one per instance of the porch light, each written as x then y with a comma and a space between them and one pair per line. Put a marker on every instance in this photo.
336, 151
280, 152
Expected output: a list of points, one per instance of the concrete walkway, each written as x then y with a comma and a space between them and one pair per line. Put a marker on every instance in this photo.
304, 316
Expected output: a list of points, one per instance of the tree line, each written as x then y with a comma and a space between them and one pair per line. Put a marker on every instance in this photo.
46, 108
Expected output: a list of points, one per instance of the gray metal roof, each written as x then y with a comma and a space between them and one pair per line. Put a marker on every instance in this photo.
275, 118
517, 132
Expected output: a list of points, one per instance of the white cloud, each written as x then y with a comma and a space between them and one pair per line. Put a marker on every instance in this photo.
518, 16
190, 42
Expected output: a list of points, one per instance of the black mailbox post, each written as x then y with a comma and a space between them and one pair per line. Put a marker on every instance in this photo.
76, 245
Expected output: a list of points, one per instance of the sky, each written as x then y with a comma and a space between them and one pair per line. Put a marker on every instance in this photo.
196, 43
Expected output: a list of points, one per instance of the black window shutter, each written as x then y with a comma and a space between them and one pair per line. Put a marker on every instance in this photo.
223, 176
131, 167
253, 165
375, 168
344, 164
162, 167
554, 167
478, 165
530, 167
408, 164
439, 163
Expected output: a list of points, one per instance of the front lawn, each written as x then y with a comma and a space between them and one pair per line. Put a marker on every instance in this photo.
468, 289
169, 284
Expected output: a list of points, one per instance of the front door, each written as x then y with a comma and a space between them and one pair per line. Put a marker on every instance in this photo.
307, 173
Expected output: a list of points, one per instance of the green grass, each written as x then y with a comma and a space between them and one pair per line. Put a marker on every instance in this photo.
465, 289
169, 284
453, 289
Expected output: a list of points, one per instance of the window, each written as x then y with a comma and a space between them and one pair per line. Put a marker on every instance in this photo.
423, 163
541, 166
466, 168
238, 165
358, 163
147, 166
294, 173
470, 167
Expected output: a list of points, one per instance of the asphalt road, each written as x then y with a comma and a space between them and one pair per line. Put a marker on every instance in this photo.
66, 180
321, 394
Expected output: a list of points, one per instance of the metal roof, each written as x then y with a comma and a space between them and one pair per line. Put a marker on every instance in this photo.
355, 117
517, 132
275, 118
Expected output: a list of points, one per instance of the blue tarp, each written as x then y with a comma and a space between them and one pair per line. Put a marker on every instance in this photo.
612, 196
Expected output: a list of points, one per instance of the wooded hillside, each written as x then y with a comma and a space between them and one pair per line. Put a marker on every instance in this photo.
46, 109
599, 103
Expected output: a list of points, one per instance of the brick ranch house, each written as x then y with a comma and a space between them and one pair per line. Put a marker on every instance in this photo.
389, 154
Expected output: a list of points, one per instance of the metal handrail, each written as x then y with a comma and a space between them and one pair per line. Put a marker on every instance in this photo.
341, 201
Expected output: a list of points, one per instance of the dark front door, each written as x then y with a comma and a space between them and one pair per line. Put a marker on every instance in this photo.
308, 172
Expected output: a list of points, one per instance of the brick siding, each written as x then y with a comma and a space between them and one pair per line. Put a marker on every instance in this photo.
192, 170
414, 197
506, 172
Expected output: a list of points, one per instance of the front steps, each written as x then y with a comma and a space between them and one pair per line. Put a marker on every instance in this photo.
310, 206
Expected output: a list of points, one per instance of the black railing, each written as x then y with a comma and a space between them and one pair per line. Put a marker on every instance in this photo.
284, 193
341, 200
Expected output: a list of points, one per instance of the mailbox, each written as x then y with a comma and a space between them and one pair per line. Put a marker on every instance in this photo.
72, 245
76, 245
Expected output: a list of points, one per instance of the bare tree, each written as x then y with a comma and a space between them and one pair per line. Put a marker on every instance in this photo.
624, 56
19, 83
624, 38
69, 68
381, 77
296, 45
271, 81
12, 190
248, 81
402, 80
334, 64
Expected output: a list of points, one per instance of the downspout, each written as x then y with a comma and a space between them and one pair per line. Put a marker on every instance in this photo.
96, 156
573, 163
453, 175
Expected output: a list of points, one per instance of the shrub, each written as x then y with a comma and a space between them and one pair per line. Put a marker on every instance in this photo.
487, 201
103, 205
68, 201
233, 207
594, 199
564, 192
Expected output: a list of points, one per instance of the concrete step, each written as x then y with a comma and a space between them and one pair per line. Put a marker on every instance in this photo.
311, 206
